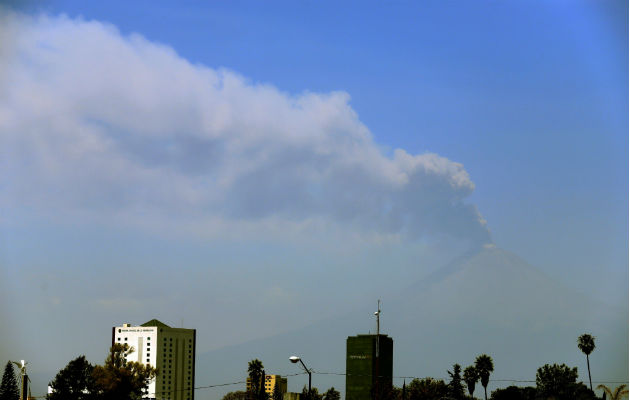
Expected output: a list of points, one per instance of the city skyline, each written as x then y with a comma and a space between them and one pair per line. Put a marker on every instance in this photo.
258, 169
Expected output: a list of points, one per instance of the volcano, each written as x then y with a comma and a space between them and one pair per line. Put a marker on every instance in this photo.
488, 301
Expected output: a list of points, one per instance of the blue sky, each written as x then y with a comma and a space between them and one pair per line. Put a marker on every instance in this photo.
520, 106
529, 96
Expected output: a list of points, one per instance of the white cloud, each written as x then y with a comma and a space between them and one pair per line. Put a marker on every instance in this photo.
97, 123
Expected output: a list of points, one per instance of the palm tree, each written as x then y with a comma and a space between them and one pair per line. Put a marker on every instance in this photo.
484, 366
471, 376
255, 371
586, 343
619, 393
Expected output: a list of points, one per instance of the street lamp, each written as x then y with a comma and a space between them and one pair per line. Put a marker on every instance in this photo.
295, 359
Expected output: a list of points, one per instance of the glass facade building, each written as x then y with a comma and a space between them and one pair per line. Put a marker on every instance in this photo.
368, 376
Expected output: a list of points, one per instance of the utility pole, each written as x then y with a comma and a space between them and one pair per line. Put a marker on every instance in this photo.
377, 395
24, 377
25, 386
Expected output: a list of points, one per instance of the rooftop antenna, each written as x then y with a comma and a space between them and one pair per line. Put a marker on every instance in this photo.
378, 333
378, 323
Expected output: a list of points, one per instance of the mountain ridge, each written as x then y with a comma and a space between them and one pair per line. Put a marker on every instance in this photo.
489, 301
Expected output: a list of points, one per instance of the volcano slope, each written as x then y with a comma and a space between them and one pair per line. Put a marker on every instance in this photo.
488, 301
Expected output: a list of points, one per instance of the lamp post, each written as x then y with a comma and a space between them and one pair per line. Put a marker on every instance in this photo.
23, 377
295, 359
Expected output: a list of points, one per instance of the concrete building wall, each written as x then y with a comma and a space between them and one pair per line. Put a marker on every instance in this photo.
144, 341
270, 384
170, 350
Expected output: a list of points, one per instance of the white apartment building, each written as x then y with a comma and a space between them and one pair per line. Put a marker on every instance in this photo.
170, 350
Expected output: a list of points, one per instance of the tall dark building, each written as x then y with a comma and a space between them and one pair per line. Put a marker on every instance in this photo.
363, 366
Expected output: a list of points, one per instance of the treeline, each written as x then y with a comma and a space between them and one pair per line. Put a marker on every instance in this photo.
116, 379
553, 382
119, 379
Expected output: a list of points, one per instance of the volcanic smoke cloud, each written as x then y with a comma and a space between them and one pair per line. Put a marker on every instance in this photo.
94, 122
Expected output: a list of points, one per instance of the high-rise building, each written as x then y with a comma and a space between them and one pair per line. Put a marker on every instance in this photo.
368, 375
270, 384
170, 350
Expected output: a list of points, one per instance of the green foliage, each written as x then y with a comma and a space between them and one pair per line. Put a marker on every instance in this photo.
426, 389
74, 382
262, 394
120, 379
559, 382
256, 375
514, 393
9, 389
471, 376
555, 380
237, 395
484, 366
393, 393
581, 392
313, 395
586, 343
455, 386
619, 393
332, 394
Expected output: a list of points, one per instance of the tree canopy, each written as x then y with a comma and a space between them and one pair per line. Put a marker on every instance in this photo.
484, 367
332, 394
237, 395
619, 393
9, 389
256, 374
559, 382
471, 376
119, 379
514, 393
426, 389
74, 382
586, 343
455, 386
312, 395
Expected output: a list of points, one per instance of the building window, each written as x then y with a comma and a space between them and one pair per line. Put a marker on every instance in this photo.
125, 339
